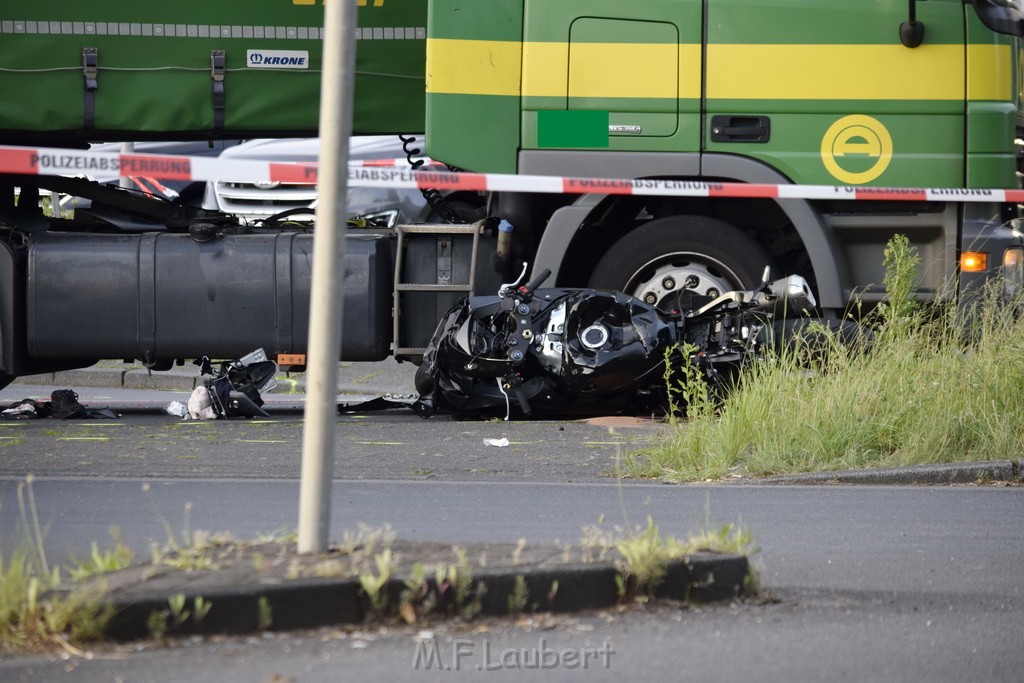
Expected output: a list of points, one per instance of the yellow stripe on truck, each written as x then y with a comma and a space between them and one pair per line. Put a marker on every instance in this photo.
546, 69
473, 67
741, 72
596, 70
835, 72
626, 70
480, 67
990, 72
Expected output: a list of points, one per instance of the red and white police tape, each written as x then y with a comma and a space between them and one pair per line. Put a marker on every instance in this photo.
384, 173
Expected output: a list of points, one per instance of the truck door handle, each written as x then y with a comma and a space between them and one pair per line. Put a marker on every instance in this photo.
728, 128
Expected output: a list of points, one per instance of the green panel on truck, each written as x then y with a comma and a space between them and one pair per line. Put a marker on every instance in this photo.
474, 63
153, 77
994, 99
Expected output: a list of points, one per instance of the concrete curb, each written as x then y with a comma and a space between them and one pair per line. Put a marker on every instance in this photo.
185, 379
114, 378
950, 473
242, 599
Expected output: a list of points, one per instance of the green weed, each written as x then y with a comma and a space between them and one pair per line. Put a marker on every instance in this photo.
265, 614
645, 554
37, 610
520, 596
417, 599
164, 621
644, 561
101, 561
375, 583
31, 618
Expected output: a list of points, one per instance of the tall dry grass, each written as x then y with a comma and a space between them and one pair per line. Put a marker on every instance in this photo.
944, 384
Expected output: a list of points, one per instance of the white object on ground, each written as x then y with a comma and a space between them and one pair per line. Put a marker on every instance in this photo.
177, 409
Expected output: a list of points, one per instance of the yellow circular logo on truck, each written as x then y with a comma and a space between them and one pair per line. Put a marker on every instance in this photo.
856, 149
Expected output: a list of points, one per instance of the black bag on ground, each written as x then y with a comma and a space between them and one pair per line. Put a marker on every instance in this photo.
64, 405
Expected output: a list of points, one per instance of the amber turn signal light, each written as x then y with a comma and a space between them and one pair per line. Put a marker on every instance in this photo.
973, 262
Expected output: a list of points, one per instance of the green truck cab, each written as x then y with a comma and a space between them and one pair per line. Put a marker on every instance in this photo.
788, 92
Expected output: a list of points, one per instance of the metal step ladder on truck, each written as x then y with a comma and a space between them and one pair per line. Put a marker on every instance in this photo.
866, 96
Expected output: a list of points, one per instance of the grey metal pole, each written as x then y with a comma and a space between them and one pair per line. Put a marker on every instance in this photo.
336, 92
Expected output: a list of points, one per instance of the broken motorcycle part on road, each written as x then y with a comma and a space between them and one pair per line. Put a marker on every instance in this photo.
234, 390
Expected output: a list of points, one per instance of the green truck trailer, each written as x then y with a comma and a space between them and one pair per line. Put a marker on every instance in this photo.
889, 93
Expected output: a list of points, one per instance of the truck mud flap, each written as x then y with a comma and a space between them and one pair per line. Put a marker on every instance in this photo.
162, 296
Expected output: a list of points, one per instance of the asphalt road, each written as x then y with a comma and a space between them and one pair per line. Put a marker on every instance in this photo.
963, 540
861, 583
381, 446
807, 637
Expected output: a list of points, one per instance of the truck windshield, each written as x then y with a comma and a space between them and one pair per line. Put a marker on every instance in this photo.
1002, 16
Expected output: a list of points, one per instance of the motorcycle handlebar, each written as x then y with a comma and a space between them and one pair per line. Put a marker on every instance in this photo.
537, 281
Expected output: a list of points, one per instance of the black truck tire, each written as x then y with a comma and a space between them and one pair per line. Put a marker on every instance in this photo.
699, 253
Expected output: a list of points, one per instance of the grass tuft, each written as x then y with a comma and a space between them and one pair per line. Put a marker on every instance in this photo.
37, 609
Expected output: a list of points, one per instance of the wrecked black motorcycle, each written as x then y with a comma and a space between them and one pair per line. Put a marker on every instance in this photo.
553, 352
